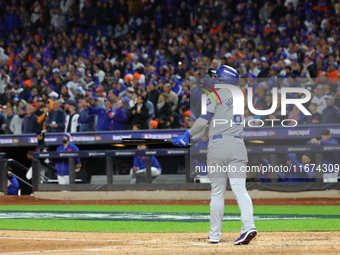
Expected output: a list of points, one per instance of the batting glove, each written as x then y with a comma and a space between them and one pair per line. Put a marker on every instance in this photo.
182, 140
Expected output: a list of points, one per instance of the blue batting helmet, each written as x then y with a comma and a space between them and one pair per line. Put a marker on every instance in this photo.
227, 74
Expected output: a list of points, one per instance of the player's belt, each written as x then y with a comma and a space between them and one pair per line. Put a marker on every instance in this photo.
225, 136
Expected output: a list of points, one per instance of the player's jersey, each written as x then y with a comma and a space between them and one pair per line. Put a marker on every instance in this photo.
222, 113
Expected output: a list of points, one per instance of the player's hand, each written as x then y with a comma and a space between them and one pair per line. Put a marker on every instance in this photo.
313, 141
182, 140
134, 169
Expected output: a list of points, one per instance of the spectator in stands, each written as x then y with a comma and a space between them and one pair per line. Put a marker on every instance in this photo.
121, 29
98, 73
86, 119
51, 91
62, 165
136, 64
149, 105
139, 165
12, 183
164, 106
173, 97
55, 121
8, 120
259, 98
332, 72
13, 20
73, 84
16, 123
119, 118
320, 98
30, 124
136, 127
139, 113
337, 98
153, 124
315, 118
105, 115
71, 121
328, 86
310, 67
330, 115
330, 158
297, 115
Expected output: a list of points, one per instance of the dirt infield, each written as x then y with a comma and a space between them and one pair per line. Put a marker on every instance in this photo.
25, 242
30, 200
74, 243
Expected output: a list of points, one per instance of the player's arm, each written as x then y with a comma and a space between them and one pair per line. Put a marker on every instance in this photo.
201, 123
198, 129
201, 134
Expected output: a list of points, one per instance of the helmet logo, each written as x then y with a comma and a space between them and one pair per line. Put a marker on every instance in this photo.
226, 71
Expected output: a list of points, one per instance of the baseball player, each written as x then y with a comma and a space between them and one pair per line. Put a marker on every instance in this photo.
226, 148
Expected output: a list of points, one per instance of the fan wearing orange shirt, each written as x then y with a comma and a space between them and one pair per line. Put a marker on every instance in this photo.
332, 72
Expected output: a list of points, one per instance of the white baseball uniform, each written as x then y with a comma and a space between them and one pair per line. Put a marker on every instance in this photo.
226, 148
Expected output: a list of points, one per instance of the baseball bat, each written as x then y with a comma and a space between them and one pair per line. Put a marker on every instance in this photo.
138, 141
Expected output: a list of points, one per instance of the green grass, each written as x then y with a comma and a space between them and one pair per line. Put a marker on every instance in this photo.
169, 227
165, 227
323, 210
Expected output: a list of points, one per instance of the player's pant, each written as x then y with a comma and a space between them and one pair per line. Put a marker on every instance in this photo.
154, 172
233, 160
63, 179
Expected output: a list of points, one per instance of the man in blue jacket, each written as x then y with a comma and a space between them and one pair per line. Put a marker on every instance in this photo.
86, 119
139, 165
329, 158
105, 115
62, 164
13, 184
294, 171
30, 124
55, 121
12, 20
119, 117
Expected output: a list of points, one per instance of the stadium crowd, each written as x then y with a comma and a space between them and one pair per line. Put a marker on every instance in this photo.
85, 65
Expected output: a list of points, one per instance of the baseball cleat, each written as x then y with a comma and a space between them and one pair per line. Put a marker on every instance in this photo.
246, 237
214, 241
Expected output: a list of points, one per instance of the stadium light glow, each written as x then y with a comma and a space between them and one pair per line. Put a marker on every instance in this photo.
118, 145
256, 141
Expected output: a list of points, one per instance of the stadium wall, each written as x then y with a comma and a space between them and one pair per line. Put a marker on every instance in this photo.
176, 195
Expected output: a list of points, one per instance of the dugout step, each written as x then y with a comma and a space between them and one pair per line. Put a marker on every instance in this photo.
117, 179
170, 178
